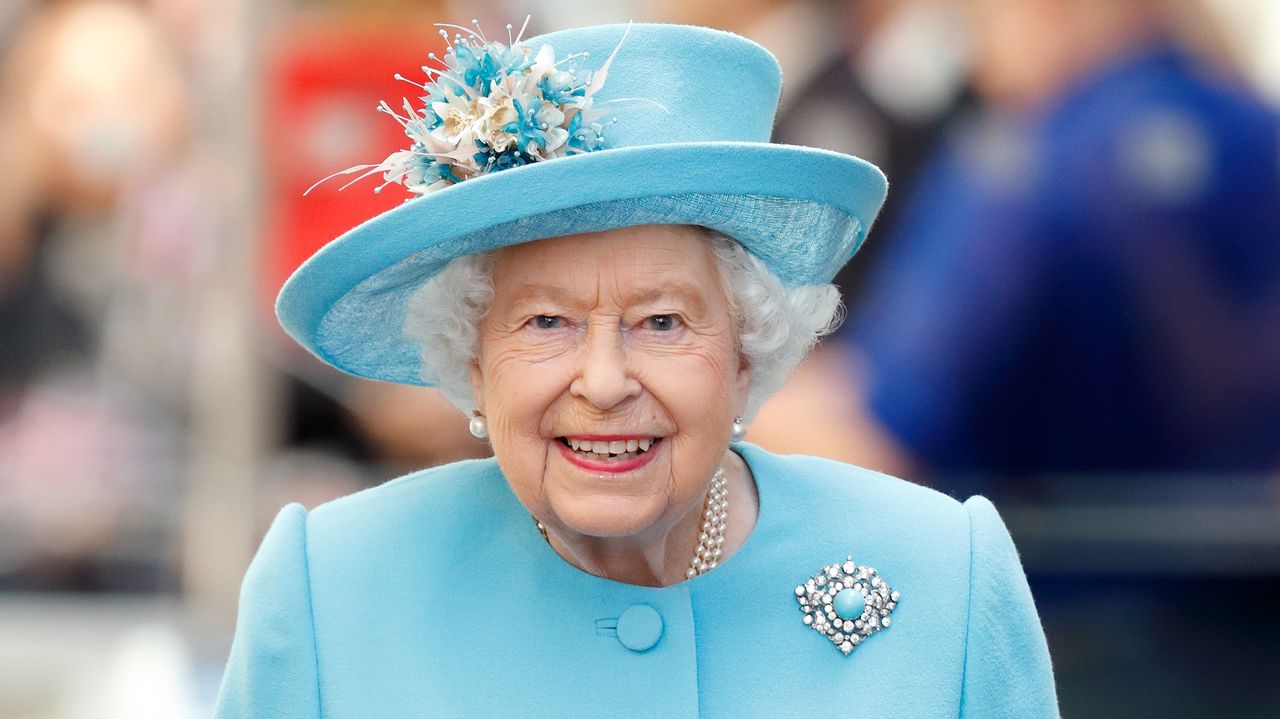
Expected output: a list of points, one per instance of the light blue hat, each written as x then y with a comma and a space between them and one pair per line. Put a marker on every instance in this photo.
688, 143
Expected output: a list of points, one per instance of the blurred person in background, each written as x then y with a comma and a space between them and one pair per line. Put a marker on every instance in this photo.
98, 243
1086, 284
1093, 261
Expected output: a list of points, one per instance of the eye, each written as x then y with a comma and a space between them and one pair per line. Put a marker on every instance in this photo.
662, 323
547, 322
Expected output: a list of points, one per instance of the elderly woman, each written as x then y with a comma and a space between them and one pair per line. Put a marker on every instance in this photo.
609, 270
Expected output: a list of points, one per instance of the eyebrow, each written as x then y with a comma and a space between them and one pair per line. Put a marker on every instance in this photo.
679, 290
532, 291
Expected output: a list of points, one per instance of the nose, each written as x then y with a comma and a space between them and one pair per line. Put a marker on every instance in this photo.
605, 378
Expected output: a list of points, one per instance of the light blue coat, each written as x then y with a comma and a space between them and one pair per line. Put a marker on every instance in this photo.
434, 595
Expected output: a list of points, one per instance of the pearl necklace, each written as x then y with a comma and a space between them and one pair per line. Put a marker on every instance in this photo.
715, 513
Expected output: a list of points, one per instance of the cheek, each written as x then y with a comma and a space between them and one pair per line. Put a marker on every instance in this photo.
519, 395
698, 389
517, 388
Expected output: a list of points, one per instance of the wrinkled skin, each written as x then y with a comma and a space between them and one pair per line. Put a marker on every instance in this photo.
625, 332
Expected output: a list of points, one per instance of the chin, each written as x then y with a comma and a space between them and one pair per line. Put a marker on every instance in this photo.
609, 516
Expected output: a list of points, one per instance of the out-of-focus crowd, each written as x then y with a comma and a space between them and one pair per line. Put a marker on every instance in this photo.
1071, 304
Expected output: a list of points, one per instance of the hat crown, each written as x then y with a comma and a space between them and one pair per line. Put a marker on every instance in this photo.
676, 83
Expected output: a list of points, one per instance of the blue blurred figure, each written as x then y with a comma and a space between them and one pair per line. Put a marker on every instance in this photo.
1087, 277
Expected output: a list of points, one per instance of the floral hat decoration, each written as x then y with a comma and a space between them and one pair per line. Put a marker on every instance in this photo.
492, 107
529, 139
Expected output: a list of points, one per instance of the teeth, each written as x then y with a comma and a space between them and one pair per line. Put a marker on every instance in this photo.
613, 448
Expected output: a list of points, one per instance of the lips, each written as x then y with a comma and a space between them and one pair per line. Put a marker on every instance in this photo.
611, 453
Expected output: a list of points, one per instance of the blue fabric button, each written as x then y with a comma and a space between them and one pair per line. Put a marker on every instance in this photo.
639, 628
849, 603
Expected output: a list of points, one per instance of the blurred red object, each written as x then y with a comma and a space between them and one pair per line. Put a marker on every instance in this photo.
322, 89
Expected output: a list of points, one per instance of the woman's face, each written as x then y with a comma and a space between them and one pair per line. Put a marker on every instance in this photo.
609, 375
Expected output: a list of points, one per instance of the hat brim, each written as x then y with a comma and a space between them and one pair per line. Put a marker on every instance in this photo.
803, 211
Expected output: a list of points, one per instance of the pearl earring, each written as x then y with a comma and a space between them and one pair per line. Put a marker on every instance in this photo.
479, 428
738, 431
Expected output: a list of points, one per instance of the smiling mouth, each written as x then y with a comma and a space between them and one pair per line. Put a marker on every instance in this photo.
618, 450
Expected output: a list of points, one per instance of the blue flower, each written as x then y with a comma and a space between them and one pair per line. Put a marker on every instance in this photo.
420, 163
417, 128
445, 172
585, 139
564, 88
414, 167
490, 160
434, 94
538, 122
423, 168
486, 64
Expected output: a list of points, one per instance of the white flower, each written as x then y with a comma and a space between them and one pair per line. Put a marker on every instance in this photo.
459, 115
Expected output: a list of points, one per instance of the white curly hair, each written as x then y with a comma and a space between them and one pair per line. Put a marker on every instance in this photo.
776, 325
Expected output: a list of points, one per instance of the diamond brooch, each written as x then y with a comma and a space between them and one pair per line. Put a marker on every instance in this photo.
846, 603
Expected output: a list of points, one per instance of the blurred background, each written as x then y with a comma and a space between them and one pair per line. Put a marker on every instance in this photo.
1071, 305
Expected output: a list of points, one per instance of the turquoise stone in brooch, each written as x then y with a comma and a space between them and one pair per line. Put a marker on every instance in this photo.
846, 603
